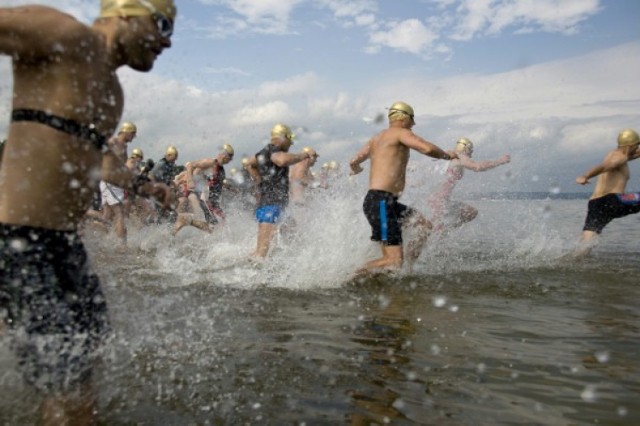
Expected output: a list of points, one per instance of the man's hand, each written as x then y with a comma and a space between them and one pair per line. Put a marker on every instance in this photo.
504, 159
452, 155
355, 168
582, 180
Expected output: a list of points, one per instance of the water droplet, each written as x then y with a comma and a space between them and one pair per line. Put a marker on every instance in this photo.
481, 368
439, 301
74, 184
589, 394
453, 308
18, 244
622, 411
435, 349
602, 356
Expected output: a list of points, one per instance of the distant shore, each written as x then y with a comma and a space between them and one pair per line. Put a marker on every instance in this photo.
529, 196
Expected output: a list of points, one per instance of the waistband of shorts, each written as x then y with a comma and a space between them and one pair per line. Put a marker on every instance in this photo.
383, 193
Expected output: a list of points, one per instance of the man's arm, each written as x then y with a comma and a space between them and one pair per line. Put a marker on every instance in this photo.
415, 142
284, 159
612, 161
33, 31
481, 166
361, 156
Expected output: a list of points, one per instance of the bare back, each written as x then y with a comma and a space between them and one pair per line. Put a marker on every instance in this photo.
64, 72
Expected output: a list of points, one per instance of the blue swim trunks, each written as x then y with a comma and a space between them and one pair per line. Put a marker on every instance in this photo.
269, 214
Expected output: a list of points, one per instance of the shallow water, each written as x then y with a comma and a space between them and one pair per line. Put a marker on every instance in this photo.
488, 328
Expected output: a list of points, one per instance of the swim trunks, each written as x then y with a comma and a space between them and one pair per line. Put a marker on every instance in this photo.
111, 194
61, 124
603, 210
385, 215
269, 214
52, 304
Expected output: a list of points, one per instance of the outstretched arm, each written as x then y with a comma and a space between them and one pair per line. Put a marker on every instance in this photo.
481, 166
612, 161
284, 159
415, 142
361, 156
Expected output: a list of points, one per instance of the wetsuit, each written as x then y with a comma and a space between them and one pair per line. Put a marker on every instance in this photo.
215, 183
604, 209
273, 188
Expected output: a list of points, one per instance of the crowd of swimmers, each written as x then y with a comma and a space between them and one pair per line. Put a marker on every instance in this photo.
67, 104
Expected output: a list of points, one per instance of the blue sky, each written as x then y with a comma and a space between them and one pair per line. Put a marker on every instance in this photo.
550, 82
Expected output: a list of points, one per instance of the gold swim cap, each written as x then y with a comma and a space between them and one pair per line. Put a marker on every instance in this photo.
228, 149
128, 127
401, 107
245, 161
123, 8
325, 166
281, 130
333, 165
233, 171
464, 145
171, 151
137, 152
628, 137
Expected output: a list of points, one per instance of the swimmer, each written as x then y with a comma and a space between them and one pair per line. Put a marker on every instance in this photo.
609, 200
65, 107
440, 202
389, 153
204, 182
270, 170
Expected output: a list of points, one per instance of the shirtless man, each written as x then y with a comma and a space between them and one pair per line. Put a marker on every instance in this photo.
389, 153
113, 197
609, 200
67, 101
440, 202
204, 180
269, 169
300, 177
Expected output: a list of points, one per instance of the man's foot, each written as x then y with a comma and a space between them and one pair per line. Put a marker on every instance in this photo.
181, 222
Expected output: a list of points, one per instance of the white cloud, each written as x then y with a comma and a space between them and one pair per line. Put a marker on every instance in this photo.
481, 17
267, 114
407, 36
298, 84
259, 16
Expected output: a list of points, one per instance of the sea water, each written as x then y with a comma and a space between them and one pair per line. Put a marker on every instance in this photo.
490, 326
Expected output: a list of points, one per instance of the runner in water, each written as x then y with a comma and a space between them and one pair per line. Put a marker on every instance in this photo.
204, 180
609, 200
269, 169
67, 101
113, 197
448, 213
389, 153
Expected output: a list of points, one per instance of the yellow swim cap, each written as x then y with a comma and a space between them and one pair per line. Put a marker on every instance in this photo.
128, 127
123, 8
628, 137
171, 151
333, 165
464, 145
401, 107
137, 152
228, 149
281, 130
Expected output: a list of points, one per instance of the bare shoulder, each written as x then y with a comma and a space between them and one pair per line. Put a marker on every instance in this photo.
36, 31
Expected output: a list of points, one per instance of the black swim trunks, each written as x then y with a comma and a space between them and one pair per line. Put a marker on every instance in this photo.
603, 210
61, 124
52, 304
385, 215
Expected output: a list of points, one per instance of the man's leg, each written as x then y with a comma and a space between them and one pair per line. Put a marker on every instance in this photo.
265, 235
120, 225
421, 227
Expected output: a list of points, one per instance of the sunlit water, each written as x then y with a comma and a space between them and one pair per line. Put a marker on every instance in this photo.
488, 328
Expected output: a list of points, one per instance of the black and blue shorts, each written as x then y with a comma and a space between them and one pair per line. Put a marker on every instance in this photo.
386, 216
603, 210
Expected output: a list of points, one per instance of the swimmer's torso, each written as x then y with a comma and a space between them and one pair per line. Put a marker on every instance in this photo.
611, 182
47, 176
389, 160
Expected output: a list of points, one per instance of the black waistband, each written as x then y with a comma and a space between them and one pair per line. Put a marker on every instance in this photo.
66, 125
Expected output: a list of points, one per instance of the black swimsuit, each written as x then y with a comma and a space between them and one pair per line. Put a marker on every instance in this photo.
66, 125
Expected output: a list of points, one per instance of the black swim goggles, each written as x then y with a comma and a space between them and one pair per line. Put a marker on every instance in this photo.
164, 24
